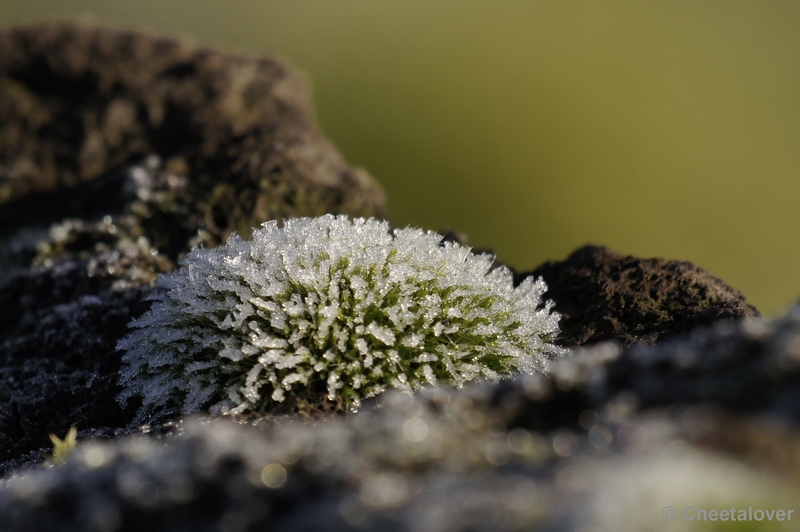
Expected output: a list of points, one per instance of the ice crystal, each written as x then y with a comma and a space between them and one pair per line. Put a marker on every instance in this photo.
332, 306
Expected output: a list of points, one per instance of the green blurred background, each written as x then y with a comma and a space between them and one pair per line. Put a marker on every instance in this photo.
659, 128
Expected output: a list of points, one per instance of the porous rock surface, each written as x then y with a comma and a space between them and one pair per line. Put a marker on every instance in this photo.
79, 101
119, 152
595, 444
603, 295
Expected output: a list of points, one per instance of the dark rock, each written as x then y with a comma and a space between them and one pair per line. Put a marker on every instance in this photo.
77, 102
750, 368
603, 295
119, 152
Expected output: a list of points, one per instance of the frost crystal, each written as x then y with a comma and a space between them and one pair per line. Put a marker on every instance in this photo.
330, 306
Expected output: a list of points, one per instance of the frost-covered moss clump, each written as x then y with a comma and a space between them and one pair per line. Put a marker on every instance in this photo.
330, 307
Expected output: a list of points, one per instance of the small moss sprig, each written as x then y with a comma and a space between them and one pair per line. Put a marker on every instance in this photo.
330, 306
62, 448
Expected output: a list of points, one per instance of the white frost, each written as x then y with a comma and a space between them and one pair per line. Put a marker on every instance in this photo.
313, 304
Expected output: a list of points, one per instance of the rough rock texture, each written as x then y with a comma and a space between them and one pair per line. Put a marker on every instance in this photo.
606, 441
119, 152
603, 295
78, 101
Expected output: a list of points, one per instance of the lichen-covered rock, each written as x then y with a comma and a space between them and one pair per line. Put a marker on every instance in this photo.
120, 152
595, 445
603, 295
79, 101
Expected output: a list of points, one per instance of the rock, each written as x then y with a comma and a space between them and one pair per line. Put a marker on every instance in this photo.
603, 295
79, 101
119, 152
595, 444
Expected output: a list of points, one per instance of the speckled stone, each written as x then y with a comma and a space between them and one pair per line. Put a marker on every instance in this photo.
603, 295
